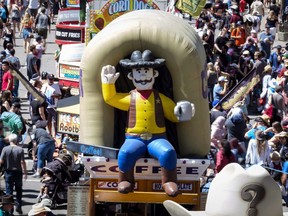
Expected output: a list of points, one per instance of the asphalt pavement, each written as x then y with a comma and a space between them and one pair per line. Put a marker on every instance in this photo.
32, 186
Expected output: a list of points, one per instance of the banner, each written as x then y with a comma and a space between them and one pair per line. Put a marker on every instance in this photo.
238, 92
191, 7
145, 168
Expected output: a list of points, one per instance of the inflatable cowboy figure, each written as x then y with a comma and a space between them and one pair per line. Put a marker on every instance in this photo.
146, 126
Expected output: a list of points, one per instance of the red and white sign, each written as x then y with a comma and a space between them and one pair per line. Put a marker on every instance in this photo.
68, 16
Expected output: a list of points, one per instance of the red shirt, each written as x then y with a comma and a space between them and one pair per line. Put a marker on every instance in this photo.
222, 161
242, 5
6, 77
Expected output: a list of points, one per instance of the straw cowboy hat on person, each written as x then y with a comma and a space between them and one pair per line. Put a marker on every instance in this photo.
266, 119
267, 68
37, 209
238, 192
275, 156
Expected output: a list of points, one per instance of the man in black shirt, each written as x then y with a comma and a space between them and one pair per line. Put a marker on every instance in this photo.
31, 61
220, 42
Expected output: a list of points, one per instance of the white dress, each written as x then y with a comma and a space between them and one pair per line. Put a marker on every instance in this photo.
253, 157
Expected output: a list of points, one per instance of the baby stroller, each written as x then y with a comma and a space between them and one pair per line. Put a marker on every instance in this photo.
57, 176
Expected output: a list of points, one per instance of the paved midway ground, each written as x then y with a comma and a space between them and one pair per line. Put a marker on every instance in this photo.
32, 186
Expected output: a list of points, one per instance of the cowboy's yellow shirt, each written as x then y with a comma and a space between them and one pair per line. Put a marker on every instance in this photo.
145, 115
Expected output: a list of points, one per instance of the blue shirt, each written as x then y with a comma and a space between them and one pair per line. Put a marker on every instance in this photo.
266, 46
3, 14
274, 61
216, 92
285, 167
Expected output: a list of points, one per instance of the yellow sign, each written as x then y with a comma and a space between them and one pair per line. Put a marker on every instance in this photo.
115, 8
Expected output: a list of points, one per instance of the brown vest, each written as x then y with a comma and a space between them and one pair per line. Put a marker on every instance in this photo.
159, 114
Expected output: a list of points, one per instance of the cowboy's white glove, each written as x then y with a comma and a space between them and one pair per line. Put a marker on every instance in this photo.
184, 110
109, 75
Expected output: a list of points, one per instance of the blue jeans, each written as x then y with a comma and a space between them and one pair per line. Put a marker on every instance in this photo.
45, 151
14, 178
135, 148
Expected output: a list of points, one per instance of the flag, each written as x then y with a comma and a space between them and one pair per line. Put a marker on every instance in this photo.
238, 92
191, 7
171, 9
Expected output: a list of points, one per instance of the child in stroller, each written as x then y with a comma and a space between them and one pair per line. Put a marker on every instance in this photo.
56, 177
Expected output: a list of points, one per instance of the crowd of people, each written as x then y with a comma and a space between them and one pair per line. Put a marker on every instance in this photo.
31, 21
246, 42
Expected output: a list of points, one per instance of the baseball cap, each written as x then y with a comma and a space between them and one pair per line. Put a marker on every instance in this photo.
50, 76
17, 105
3, 53
215, 102
222, 79
246, 52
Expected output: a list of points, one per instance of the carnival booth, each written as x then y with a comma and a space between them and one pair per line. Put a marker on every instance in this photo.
182, 78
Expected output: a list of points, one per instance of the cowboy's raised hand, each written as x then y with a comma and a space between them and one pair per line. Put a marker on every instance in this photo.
109, 75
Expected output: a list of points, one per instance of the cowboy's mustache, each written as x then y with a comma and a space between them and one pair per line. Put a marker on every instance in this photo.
140, 81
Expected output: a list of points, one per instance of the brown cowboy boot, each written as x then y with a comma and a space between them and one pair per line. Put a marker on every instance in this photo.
169, 182
126, 182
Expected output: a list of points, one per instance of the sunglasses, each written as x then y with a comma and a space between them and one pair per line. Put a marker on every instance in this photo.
261, 140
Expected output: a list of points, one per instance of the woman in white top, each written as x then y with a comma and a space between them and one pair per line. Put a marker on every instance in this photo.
258, 151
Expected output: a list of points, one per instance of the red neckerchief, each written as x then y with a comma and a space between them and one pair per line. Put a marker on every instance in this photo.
145, 94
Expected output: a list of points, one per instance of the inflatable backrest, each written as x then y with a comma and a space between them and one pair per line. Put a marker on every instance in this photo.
167, 37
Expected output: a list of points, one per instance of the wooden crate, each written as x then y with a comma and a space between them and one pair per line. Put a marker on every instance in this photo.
203, 199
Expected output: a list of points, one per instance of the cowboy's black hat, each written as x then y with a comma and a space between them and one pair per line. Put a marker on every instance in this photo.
139, 60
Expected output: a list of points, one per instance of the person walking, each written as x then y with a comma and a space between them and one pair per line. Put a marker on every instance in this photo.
12, 59
43, 25
31, 61
12, 157
40, 50
7, 79
8, 35
26, 27
33, 7
16, 15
